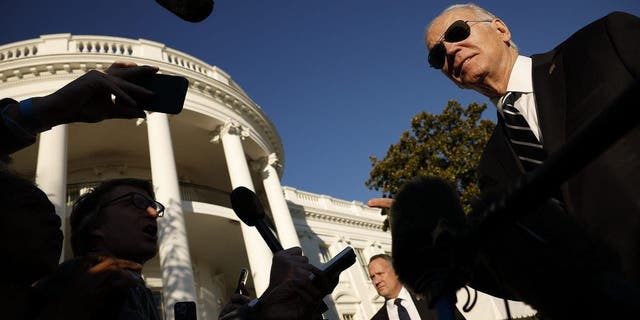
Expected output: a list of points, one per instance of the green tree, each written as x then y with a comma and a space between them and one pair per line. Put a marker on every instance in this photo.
447, 145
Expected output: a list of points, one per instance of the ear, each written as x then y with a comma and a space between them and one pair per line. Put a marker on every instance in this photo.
502, 30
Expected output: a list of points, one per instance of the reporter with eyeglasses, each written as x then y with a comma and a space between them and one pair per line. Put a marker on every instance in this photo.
113, 233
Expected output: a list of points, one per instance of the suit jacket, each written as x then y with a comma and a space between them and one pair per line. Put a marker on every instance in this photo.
421, 305
423, 310
595, 68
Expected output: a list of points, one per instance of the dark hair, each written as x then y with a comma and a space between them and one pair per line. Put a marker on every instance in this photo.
84, 218
383, 256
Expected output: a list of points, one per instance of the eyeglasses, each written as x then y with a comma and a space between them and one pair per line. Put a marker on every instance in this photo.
139, 201
457, 31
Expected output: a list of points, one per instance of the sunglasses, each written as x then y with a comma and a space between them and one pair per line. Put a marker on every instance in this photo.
457, 31
139, 201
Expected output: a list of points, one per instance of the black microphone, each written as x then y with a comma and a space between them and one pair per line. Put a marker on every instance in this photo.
427, 221
249, 209
189, 10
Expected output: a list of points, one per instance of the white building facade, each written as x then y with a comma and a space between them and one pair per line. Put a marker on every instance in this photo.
220, 141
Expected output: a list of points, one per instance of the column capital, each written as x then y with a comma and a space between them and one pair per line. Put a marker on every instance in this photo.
229, 127
262, 163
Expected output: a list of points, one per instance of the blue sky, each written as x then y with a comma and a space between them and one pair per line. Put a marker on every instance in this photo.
340, 79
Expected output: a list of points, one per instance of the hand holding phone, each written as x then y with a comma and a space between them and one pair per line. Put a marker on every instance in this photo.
337, 264
169, 93
242, 282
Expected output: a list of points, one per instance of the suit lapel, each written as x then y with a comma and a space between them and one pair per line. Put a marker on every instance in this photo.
423, 309
550, 95
381, 314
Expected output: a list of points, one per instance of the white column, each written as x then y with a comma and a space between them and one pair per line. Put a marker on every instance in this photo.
210, 296
175, 261
51, 170
258, 252
279, 209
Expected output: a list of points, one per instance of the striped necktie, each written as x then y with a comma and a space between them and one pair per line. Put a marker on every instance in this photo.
525, 144
403, 314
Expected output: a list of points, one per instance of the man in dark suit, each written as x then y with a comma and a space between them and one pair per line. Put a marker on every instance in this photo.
541, 102
399, 302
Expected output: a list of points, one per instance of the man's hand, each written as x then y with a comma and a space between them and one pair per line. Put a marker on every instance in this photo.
83, 287
292, 294
89, 98
382, 203
237, 301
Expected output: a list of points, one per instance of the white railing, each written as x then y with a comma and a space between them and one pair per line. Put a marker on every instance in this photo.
183, 60
104, 46
67, 43
355, 208
19, 50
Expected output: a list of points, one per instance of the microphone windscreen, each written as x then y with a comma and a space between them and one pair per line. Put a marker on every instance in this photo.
189, 10
426, 214
246, 205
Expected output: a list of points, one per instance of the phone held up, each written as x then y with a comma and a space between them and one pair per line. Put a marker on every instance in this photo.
242, 282
169, 93
185, 310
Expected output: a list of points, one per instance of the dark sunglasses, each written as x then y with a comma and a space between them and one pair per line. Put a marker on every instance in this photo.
139, 201
457, 31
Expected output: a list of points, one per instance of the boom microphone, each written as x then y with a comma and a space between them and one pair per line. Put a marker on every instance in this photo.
426, 221
189, 10
249, 209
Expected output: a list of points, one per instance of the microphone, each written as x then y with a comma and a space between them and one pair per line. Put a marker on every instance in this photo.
249, 209
426, 222
189, 10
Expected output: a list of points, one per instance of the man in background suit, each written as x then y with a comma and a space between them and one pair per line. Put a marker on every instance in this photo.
553, 95
399, 302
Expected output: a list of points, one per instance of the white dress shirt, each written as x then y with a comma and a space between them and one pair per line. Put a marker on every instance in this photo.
522, 81
407, 302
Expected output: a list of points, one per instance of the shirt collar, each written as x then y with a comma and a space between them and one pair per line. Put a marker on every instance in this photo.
403, 294
520, 79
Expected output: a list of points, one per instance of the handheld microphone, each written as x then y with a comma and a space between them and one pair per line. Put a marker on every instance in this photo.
249, 209
189, 10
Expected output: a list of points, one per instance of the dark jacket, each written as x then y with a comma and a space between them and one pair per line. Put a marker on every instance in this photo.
423, 310
594, 242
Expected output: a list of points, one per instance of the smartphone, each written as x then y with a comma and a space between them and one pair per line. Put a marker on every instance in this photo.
185, 310
242, 281
339, 263
169, 93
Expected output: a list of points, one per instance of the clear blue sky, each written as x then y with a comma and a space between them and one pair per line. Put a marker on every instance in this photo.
340, 79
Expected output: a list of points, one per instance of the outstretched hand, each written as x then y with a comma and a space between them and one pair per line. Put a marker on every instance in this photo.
90, 98
383, 203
